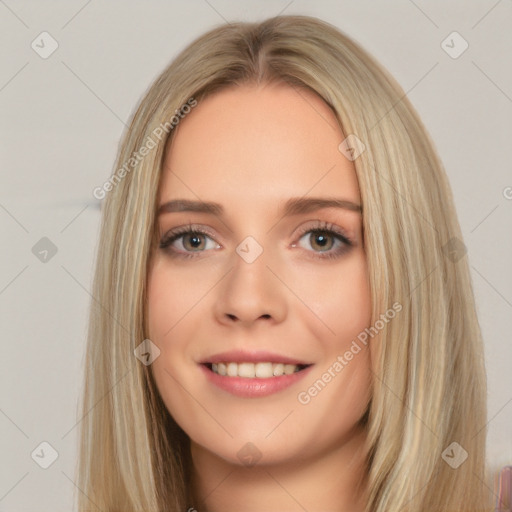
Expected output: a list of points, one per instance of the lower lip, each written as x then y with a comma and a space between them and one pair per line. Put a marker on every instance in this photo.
253, 388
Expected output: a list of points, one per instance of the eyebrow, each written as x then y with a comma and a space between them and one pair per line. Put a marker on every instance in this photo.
293, 206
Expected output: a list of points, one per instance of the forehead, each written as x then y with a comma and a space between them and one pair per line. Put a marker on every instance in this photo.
266, 143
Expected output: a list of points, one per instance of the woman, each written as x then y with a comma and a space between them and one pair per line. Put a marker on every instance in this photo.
280, 252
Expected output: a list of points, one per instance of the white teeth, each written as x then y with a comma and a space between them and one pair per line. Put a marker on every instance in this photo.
232, 369
289, 369
252, 370
246, 370
264, 370
278, 369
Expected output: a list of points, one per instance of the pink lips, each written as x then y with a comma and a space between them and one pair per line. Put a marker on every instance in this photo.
243, 356
256, 387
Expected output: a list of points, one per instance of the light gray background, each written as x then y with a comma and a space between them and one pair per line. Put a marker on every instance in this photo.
62, 119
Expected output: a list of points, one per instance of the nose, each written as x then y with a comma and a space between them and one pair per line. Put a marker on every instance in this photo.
250, 292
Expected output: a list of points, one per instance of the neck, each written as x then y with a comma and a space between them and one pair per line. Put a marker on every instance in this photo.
333, 481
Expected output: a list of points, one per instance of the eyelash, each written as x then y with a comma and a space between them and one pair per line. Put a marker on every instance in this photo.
324, 228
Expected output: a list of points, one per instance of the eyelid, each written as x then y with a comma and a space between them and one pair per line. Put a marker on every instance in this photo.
309, 227
318, 225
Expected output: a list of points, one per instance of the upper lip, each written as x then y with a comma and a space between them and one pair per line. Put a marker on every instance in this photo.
259, 356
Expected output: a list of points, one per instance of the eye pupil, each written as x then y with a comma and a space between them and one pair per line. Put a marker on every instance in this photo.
195, 240
321, 240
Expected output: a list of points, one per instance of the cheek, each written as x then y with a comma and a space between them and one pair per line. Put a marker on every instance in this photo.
342, 383
173, 297
340, 297
162, 304
349, 304
165, 308
168, 302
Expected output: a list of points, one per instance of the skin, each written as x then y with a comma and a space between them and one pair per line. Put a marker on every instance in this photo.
251, 148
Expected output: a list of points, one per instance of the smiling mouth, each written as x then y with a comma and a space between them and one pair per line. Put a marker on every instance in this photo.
262, 370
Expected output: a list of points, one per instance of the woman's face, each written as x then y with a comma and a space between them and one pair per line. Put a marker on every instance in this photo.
255, 284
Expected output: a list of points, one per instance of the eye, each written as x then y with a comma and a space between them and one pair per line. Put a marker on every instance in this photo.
188, 239
325, 240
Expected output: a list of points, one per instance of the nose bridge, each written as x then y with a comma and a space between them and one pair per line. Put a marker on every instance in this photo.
250, 290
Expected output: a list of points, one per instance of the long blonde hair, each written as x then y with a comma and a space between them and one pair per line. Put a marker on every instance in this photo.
429, 383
